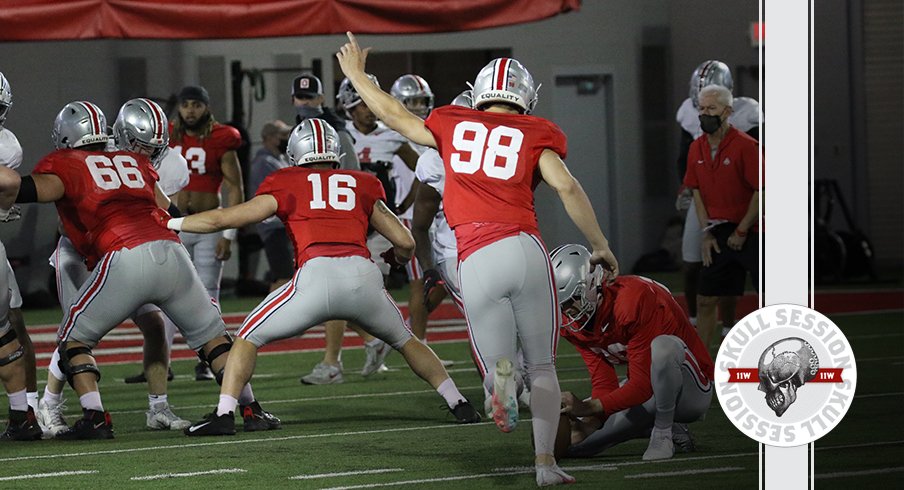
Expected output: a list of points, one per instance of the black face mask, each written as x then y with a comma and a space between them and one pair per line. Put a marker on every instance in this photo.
283, 145
710, 124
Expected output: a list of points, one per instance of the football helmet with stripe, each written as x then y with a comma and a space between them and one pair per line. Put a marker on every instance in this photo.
141, 127
414, 93
464, 99
578, 284
78, 124
505, 80
710, 72
347, 96
314, 141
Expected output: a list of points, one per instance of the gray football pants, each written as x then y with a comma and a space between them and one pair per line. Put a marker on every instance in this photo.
158, 272
509, 296
202, 247
327, 288
677, 384
4, 293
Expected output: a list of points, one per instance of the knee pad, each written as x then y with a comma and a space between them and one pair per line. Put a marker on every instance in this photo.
215, 353
71, 371
14, 355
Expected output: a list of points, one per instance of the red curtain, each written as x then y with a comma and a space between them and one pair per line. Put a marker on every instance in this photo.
34, 20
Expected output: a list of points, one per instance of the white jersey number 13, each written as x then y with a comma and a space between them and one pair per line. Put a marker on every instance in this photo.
479, 148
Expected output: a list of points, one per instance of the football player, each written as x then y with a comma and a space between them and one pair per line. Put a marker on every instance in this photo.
140, 127
11, 156
494, 157
747, 117
209, 148
415, 94
103, 200
635, 321
327, 212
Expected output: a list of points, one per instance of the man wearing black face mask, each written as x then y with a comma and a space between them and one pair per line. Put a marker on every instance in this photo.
270, 158
307, 97
723, 173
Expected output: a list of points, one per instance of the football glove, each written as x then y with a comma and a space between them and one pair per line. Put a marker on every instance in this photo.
389, 256
432, 280
161, 216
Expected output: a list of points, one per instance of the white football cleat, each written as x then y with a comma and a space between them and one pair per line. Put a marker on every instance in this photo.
50, 418
375, 355
161, 417
505, 392
548, 475
324, 374
661, 445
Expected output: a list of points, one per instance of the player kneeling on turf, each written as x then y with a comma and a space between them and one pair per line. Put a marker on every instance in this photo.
635, 321
326, 212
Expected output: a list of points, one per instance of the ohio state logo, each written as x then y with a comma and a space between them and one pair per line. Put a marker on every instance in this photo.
785, 375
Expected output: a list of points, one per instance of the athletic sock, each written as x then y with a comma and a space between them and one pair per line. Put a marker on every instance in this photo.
18, 401
545, 405
157, 399
91, 401
246, 396
32, 397
227, 405
450, 393
50, 398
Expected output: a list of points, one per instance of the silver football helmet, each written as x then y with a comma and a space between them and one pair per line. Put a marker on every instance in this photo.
711, 72
314, 141
505, 80
80, 123
408, 89
464, 99
142, 127
347, 96
578, 284
6, 99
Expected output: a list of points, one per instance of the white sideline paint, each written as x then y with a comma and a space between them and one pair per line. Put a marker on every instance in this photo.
184, 475
345, 473
47, 475
685, 472
842, 474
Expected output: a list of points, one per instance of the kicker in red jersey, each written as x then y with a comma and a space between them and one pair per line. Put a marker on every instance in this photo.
326, 212
491, 162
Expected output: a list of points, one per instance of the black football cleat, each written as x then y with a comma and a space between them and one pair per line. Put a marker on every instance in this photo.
23, 426
213, 425
256, 418
465, 413
203, 372
94, 424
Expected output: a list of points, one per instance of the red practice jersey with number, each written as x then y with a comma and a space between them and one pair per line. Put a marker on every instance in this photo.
491, 162
203, 156
633, 311
107, 202
326, 212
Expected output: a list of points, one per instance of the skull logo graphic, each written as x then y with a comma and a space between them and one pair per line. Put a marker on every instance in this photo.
784, 367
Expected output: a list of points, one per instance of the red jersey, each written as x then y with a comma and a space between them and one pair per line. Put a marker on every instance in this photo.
326, 212
633, 311
491, 162
203, 156
728, 180
107, 202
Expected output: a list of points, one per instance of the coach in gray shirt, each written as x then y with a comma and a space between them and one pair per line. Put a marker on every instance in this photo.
270, 158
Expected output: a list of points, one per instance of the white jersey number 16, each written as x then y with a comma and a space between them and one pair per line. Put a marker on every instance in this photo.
340, 192
482, 149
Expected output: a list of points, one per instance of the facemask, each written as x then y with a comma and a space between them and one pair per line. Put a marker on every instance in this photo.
306, 112
710, 124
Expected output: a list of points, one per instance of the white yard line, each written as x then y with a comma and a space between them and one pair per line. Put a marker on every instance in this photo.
164, 476
47, 475
842, 474
685, 472
433, 480
345, 473
450, 425
880, 395
876, 335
